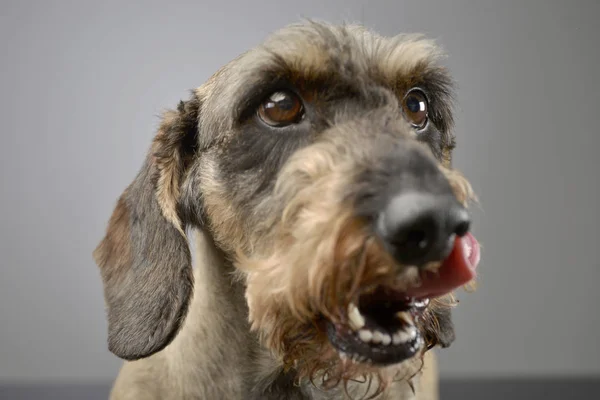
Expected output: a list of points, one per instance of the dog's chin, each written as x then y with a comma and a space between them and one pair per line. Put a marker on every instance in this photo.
381, 330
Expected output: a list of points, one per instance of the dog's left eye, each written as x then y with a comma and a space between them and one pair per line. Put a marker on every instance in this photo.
280, 109
415, 108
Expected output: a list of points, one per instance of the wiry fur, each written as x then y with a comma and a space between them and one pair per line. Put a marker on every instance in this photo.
280, 243
319, 256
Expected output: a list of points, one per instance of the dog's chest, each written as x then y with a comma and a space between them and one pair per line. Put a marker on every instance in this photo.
283, 387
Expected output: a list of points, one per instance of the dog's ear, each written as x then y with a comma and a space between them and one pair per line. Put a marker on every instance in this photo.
144, 259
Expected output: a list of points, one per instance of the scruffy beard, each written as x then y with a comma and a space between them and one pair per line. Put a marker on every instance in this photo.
316, 265
298, 322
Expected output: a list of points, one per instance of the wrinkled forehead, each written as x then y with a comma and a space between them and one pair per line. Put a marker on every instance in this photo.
315, 52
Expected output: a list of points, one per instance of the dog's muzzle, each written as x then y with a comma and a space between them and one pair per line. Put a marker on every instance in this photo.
382, 326
426, 230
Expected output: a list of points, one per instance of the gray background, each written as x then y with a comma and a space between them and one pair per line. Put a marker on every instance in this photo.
82, 83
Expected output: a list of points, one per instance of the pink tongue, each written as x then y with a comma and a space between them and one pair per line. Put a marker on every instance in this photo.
458, 270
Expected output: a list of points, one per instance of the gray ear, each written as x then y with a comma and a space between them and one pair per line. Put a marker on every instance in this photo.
144, 259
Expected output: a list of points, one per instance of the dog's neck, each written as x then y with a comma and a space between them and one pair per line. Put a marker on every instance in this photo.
215, 348
211, 349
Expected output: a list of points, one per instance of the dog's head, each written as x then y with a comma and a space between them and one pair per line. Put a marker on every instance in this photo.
320, 164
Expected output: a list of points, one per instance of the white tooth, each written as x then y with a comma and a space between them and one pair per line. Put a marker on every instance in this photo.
356, 320
412, 332
421, 303
403, 337
386, 339
406, 317
365, 335
377, 337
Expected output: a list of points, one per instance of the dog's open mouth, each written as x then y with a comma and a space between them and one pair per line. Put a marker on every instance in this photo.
382, 328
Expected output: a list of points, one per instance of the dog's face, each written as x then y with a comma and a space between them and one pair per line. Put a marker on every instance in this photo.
319, 162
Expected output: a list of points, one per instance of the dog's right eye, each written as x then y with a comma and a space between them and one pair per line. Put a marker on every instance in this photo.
415, 108
281, 109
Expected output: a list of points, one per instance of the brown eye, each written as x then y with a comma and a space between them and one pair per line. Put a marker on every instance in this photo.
281, 109
415, 108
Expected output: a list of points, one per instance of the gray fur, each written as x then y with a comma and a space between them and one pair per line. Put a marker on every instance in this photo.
148, 290
188, 337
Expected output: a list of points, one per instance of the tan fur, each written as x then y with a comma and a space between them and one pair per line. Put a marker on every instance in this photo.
195, 357
304, 49
263, 283
115, 250
169, 176
222, 212
427, 387
461, 186
316, 251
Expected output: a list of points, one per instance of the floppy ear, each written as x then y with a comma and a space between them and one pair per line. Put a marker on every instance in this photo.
144, 259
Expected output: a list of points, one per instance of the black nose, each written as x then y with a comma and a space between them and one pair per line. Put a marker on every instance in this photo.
419, 228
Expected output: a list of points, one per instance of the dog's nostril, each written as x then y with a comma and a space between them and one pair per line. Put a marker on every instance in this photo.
419, 228
418, 234
462, 228
417, 238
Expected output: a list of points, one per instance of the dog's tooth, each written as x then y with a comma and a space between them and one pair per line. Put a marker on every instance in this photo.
365, 335
377, 337
386, 339
412, 332
403, 337
421, 303
406, 334
355, 318
405, 317
396, 339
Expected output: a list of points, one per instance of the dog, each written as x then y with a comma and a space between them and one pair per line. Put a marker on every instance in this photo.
309, 182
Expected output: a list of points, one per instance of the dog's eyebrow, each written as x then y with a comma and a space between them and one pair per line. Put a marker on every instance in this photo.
251, 92
273, 72
279, 75
318, 54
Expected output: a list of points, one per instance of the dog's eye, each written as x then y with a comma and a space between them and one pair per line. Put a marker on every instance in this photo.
281, 109
414, 106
